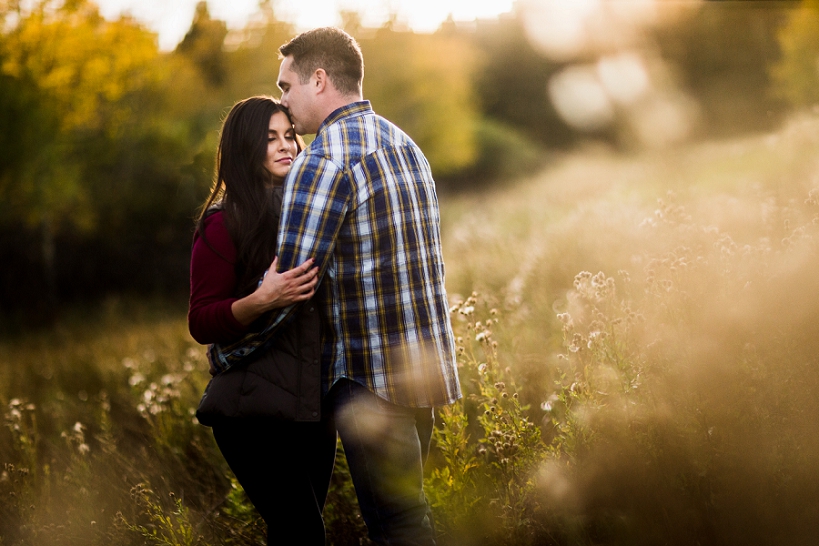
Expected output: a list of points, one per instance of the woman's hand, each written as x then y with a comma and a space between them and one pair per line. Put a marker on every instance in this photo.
277, 290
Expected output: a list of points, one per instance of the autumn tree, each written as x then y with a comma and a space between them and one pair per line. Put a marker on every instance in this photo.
796, 75
423, 83
203, 44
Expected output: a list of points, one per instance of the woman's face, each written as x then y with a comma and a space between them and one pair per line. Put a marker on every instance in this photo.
281, 146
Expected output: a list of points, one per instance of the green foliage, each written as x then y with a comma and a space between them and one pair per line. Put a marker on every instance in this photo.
82, 67
203, 45
483, 492
511, 83
721, 53
161, 528
796, 75
423, 85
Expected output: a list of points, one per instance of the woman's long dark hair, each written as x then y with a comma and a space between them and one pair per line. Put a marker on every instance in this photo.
242, 188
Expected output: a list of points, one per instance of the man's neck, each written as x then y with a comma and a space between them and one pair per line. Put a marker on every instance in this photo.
340, 102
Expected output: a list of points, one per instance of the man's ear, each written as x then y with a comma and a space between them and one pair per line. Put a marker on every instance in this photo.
320, 80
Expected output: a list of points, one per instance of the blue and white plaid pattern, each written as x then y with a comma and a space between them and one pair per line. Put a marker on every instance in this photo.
361, 201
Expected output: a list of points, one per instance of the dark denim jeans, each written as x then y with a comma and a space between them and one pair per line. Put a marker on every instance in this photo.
386, 447
285, 469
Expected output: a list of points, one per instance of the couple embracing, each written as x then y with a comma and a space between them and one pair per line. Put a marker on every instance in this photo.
337, 322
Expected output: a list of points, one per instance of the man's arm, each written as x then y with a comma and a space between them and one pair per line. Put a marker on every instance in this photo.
316, 199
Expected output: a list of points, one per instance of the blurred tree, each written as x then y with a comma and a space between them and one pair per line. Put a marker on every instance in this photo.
722, 56
796, 76
203, 44
423, 83
253, 56
81, 66
511, 84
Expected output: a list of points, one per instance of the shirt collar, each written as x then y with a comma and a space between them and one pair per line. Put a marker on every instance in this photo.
353, 109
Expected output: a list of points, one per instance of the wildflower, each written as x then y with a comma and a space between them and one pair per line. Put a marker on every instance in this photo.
78, 427
136, 379
83, 449
565, 318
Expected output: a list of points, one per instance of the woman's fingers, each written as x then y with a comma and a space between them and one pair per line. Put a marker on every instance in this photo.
295, 285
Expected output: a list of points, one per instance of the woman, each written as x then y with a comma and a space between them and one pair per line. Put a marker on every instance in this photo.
269, 425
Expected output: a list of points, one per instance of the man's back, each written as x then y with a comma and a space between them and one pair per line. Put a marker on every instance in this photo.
362, 201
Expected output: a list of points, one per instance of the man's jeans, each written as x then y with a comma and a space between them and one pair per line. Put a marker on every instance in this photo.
386, 447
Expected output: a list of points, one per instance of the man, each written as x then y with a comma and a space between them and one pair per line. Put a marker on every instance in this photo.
361, 201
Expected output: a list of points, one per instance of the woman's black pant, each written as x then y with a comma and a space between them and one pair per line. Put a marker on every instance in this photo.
285, 469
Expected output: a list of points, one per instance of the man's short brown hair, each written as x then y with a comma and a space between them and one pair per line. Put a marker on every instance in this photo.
333, 50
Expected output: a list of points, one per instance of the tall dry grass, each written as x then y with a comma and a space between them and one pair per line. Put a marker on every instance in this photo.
660, 314
639, 362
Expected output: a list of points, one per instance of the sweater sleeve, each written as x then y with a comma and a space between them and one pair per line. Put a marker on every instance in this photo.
213, 285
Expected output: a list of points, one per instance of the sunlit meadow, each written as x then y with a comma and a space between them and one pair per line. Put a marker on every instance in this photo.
637, 341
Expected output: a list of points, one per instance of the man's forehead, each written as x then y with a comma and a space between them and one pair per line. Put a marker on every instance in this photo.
286, 73
286, 64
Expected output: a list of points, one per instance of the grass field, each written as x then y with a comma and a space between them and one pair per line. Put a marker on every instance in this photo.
639, 357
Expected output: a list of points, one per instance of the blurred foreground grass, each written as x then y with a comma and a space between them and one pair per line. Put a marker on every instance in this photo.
640, 363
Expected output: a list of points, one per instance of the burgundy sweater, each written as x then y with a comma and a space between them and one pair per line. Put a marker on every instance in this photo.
213, 285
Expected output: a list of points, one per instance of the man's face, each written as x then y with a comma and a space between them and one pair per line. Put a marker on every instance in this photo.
299, 98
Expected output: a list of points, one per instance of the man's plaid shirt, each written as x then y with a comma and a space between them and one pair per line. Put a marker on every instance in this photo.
361, 201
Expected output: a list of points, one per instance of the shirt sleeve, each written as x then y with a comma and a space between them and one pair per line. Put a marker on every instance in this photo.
213, 285
315, 204
316, 199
